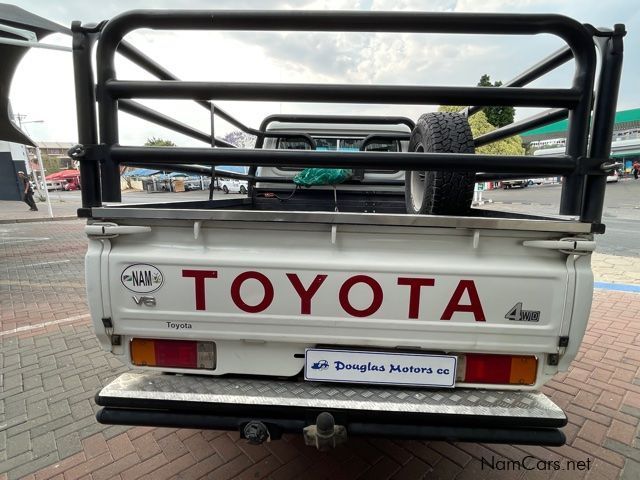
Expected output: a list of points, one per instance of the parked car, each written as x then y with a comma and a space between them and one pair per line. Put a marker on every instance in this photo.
228, 185
190, 186
522, 183
613, 177
71, 185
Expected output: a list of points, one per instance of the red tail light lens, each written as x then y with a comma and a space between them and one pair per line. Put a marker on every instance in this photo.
176, 353
500, 369
173, 353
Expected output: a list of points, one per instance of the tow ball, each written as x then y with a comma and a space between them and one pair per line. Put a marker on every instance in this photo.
325, 434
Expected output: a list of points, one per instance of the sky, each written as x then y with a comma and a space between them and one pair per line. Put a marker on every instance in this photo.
42, 88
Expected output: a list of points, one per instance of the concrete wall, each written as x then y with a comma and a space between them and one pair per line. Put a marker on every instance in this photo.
12, 160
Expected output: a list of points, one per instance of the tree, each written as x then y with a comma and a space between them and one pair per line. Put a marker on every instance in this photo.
480, 125
158, 142
497, 116
240, 139
51, 164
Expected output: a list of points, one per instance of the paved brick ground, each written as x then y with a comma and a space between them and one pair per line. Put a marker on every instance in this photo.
51, 372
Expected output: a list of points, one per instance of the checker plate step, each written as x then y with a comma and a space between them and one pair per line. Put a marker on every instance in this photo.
160, 387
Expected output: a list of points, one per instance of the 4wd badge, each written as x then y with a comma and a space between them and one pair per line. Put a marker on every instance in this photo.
517, 314
142, 278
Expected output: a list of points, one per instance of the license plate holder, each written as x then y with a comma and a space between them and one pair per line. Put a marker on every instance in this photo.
380, 368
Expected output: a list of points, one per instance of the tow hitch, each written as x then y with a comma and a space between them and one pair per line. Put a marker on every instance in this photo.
325, 434
256, 432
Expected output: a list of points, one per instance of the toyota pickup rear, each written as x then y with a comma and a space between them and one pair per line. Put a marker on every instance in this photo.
433, 327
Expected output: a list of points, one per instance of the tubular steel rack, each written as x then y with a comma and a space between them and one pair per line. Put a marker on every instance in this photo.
590, 114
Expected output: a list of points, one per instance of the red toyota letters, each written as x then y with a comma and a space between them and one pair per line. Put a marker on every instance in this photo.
306, 293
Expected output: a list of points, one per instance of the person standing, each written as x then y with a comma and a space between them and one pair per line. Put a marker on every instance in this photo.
27, 192
636, 169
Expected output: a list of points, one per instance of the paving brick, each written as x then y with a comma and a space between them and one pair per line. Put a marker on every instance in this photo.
365, 450
622, 432
397, 453
625, 451
142, 468
588, 414
229, 469
414, 469
146, 446
116, 467
201, 468
15, 408
69, 445
90, 430
25, 470
260, 469
355, 467
631, 399
30, 382
18, 444
15, 461
52, 381
200, 448
114, 430
610, 400
173, 468
172, 447
570, 431
451, 452
589, 387
84, 469
618, 415
43, 444
282, 450
67, 425
162, 432
254, 452
631, 471
604, 469
95, 445
226, 449
37, 409
384, 469
120, 446
293, 469
136, 432
445, 469
593, 432
600, 452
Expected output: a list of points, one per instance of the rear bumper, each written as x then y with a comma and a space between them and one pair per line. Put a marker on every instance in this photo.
153, 399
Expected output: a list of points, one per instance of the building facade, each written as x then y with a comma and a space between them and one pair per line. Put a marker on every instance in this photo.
625, 144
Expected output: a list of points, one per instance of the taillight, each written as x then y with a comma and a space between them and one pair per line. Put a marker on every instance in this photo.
502, 369
173, 353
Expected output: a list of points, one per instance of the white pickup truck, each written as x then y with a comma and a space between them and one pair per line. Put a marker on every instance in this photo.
376, 304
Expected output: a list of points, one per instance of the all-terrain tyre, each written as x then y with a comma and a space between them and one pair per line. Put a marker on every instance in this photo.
225, 189
437, 192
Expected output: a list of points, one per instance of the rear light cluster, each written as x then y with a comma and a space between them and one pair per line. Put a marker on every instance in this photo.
497, 369
173, 353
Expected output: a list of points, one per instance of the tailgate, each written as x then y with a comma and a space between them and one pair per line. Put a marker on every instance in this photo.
264, 292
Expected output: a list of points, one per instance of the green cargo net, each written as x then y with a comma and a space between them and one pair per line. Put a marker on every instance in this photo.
310, 177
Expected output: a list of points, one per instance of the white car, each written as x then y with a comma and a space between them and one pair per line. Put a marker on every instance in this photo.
613, 177
228, 185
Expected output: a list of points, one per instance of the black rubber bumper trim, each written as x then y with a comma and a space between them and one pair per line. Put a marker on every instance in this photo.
372, 428
342, 416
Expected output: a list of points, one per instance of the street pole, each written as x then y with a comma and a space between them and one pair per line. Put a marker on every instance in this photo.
44, 181
40, 165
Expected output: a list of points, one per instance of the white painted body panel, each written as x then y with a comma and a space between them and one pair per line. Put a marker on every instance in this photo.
503, 271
